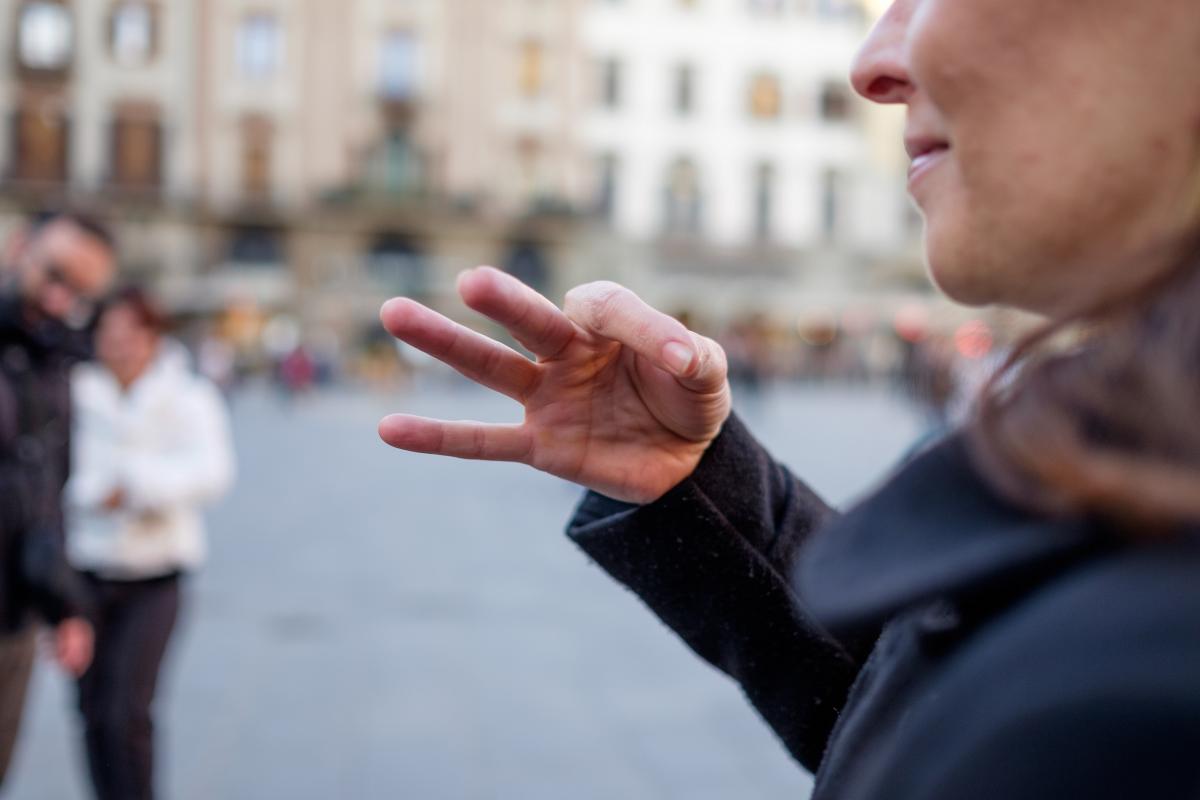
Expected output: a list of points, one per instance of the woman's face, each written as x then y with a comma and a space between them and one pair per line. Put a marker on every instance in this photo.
124, 345
1055, 142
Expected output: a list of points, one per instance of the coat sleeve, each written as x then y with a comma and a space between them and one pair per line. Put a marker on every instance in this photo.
196, 470
34, 564
711, 559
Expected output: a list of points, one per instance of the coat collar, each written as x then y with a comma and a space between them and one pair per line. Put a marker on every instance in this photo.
936, 530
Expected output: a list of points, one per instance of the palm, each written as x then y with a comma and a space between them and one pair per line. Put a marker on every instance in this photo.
599, 409
606, 418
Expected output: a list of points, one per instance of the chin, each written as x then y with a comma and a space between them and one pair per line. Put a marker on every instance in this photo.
961, 275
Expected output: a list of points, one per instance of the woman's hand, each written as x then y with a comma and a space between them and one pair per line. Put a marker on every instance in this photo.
115, 501
73, 643
622, 399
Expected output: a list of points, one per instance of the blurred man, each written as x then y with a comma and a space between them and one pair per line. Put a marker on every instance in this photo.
54, 273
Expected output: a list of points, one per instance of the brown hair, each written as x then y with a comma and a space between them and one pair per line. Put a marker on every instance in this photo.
147, 311
1099, 411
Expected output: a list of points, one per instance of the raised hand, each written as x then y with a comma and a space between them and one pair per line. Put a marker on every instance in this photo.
622, 398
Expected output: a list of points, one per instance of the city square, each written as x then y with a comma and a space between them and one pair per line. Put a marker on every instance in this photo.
375, 624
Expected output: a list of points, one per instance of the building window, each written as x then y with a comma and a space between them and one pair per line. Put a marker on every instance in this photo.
398, 66
398, 265
685, 90
611, 83
527, 262
132, 33
839, 9
764, 201
684, 202
256, 246
768, 7
257, 134
530, 160
45, 34
136, 149
398, 170
607, 169
766, 96
40, 144
836, 102
531, 69
259, 46
832, 199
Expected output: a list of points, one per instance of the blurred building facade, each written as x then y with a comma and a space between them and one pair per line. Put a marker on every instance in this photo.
732, 161
308, 158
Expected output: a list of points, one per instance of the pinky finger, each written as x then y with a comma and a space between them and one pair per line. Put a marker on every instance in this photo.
472, 440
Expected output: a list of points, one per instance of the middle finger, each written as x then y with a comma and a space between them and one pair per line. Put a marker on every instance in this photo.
479, 358
534, 321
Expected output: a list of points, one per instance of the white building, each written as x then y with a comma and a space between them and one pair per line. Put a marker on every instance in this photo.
726, 141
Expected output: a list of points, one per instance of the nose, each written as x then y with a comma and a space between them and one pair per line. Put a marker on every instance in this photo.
58, 302
880, 73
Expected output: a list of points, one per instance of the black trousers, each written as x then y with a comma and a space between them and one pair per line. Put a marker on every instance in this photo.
134, 621
16, 662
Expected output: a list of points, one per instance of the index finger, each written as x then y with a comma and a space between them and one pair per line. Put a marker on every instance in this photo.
533, 320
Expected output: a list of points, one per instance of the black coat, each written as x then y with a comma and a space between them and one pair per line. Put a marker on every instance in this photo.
35, 363
935, 642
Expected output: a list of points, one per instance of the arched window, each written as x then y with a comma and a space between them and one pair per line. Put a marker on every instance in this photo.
136, 147
259, 46
132, 33
398, 65
45, 36
40, 132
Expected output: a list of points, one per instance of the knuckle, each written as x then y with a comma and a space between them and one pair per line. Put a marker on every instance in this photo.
605, 302
591, 304
713, 361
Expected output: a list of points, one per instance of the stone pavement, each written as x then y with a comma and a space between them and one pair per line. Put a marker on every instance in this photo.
380, 625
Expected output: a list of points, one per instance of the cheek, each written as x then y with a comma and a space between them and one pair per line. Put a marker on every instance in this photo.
112, 344
978, 235
146, 348
107, 350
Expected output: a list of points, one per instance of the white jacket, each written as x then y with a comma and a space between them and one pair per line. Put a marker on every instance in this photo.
166, 444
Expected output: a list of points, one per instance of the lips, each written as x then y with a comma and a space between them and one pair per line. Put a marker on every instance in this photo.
926, 153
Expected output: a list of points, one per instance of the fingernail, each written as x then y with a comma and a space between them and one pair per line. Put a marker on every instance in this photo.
678, 357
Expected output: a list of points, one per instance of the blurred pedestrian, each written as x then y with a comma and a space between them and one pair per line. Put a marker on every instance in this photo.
152, 448
1016, 612
297, 373
216, 360
59, 266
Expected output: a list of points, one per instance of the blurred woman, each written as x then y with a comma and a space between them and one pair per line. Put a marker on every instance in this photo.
152, 448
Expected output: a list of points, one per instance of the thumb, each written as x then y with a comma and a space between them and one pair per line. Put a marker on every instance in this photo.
614, 312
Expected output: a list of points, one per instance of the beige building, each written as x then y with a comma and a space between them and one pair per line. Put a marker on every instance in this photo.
310, 158
300, 156
735, 167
